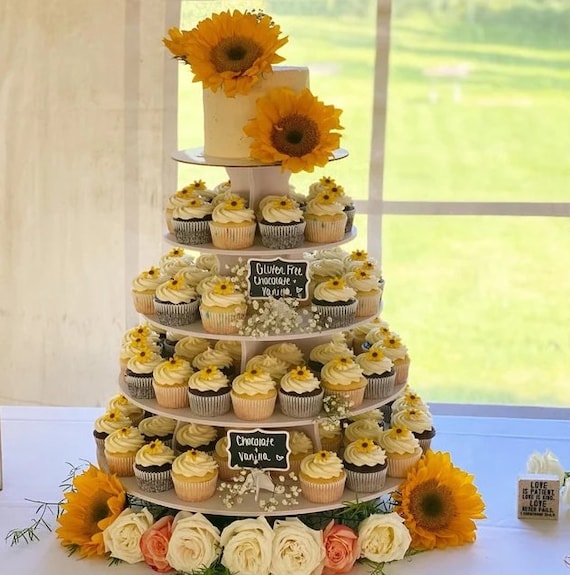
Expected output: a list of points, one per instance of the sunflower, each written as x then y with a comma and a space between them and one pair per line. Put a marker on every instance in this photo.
294, 128
94, 503
230, 50
438, 503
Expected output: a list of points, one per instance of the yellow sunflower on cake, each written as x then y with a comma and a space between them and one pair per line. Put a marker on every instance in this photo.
439, 503
294, 128
95, 501
229, 50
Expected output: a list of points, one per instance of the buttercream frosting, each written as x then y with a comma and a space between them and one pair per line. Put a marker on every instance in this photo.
322, 465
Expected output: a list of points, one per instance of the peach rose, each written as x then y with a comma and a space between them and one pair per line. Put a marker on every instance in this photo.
154, 544
341, 548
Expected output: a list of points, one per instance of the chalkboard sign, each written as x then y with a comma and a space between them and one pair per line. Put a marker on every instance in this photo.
259, 449
278, 278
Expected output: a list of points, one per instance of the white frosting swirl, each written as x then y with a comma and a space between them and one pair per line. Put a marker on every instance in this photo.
325, 352
287, 351
362, 281
233, 212
364, 452
281, 210
300, 442
147, 281
189, 347
110, 421
274, 366
322, 465
361, 429
223, 294
175, 290
253, 382
416, 420
374, 362
326, 269
334, 290
193, 209
196, 434
154, 453
195, 464
342, 371
208, 379
299, 380
211, 356
399, 440
143, 362
124, 440
172, 371
157, 426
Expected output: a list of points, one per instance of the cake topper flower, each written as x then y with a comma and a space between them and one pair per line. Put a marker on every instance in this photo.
294, 128
230, 50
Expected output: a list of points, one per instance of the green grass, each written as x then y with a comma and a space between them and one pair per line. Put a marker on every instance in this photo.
482, 303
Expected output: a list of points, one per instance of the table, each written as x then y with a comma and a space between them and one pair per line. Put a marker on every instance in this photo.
38, 442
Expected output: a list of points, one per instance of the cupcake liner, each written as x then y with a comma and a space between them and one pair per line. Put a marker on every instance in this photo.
425, 444
286, 236
349, 211
120, 465
143, 302
331, 443
293, 405
402, 370
253, 409
209, 405
224, 322
192, 232
194, 491
380, 386
153, 481
140, 387
368, 303
325, 231
365, 482
227, 237
333, 316
174, 396
399, 466
354, 396
322, 492
225, 472
176, 314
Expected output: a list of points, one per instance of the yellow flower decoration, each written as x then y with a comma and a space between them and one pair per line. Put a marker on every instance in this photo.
196, 186
295, 129
302, 373
176, 253
209, 372
252, 374
155, 446
95, 502
186, 193
283, 203
141, 330
230, 50
176, 283
151, 273
325, 198
392, 341
144, 355
342, 362
335, 283
359, 256
327, 181
375, 354
112, 415
174, 363
365, 445
398, 432
439, 503
336, 190
224, 287
235, 203
367, 266
361, 274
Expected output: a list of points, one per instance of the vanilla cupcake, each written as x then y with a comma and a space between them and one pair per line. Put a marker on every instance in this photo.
143, 288
288, 352
141, 331
276, 367
174, 260
132, 347
335, 302
180, 198
105, 424
234, 348
324, 184
211, 357
342, 376
191, 222
300, 445
419, 422
300, 393
222, 457
190, 346
325, 219
393, 348
402, 450
365, 466
175, 303
233, 225
281, 225
195, 475
121, 447
209, 392
379, 373
158, 427
197, 436
223, 308
322, 477
365, 428
153, 466
138, 375
126, 407
170, 382
368, 291
253, 395
325, 352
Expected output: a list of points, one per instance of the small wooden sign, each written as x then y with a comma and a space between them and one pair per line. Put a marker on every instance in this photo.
259, 449
538, 497
278, 278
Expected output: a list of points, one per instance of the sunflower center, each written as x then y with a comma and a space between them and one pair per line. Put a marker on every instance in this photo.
432, 505
235, 54
295, 135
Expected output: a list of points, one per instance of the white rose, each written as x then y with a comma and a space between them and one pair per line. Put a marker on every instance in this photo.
195, 542
247, 546
383, 537
547, 463
122, 538
296, 549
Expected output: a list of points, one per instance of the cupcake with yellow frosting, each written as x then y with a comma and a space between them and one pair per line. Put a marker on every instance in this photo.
209, 392
121, 447
379, 373
191, 222
300, 393
300, 445
253, 395
233, 347
325, 219
190, 346
282, 225
223, 308
105, 424
175, 303
288, 352
361, 331
195, 475
197, 436
322, 477
368, 291
276, 367
138, 375
365, 428
216, 358
170, 382
180, 198
335, 302
393, 348
233, 225
330, 434
158, 427
126, 407
343, 377
143, 288
402, 450
365, 465
410, 399
222, 457
174, 260
327, 351
347, 205
419, 422
153, 466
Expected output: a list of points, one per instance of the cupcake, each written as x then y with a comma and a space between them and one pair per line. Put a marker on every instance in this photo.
194, 276
195, 475
143, 288
347, 205
276, 367
222, 457
365, 466
169, 343
211, 357
195, 436
253, 395
190, 346
300, 445
281, 224
322, 185
170, 382
105, 424
330, 434
361, 331
121, 447
153, 465
379, 373
209, 392
175, 303
335, 303
233, 347
402, 450
322, 477
325, 352
223, 308
158, 427
142, 331
366, 428
126, 407
325, 219
409, 399
191, 222
174, 260
208, 262
233, 225
342, 376
393, 348
376, 335
180, 198
300, 393
368, 291
138, 375
132, 347
419, 422
288, 352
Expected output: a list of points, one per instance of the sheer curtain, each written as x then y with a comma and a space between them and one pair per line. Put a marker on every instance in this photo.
88, 116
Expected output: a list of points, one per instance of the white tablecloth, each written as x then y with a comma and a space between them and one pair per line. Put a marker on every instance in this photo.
37, 443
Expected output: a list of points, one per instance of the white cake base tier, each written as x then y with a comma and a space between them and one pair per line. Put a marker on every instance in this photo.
249, 507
